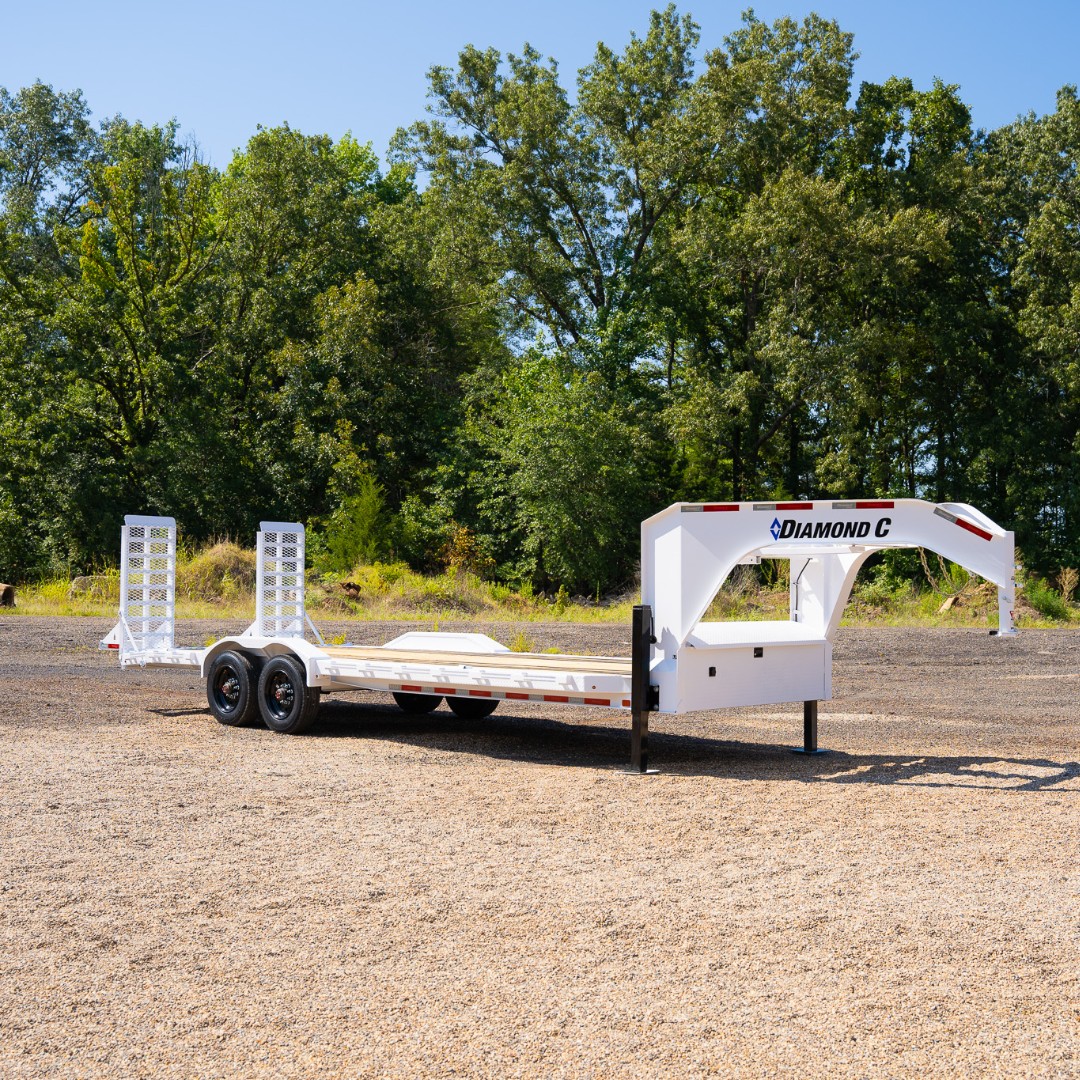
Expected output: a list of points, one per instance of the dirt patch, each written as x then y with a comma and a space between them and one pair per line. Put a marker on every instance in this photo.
401, 896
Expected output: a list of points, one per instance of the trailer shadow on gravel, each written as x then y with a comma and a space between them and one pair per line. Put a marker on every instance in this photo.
573, 744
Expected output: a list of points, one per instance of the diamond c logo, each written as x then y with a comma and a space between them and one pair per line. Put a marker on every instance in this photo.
790, 529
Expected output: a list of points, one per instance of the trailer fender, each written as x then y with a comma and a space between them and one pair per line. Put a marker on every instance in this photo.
261, 649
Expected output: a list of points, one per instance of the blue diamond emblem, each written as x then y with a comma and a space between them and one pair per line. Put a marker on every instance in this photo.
774, 528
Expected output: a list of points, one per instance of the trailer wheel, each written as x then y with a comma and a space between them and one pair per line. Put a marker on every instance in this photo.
287, 704
230, 690
416, 704
471, 708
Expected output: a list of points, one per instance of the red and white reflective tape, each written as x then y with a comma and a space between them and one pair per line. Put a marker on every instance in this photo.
860, 504
962, 523
510, 695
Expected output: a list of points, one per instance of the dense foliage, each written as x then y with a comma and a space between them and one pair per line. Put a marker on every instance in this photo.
710, 274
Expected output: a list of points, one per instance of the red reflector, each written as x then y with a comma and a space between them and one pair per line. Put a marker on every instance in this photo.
974, 529
556, 697
795, 506
479, 693
517, 697
718, 508
874, 506
114, 645
449, 690
626, 703
412, 689
597, 701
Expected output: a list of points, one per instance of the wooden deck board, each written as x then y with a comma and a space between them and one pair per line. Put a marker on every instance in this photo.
605, 665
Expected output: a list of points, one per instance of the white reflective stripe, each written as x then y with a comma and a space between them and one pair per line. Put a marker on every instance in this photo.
967, 526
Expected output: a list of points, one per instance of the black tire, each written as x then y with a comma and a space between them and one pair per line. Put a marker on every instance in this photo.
472, 708
286, 703
417, 704
230, 690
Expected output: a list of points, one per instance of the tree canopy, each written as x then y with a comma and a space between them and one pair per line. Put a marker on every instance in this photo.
714, 272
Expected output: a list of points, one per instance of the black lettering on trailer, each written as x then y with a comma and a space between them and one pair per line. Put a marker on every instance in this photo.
830, 530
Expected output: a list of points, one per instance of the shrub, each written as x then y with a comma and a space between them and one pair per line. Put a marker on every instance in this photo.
355, 532
1068, 578
1045, 600
224, 571
463, 551
874, 593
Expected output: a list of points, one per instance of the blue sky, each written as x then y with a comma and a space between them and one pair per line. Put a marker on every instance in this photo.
328, 66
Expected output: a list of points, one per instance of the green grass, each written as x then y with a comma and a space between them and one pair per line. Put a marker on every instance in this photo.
217, 582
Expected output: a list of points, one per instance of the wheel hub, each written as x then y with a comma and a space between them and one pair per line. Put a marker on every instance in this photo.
230, 690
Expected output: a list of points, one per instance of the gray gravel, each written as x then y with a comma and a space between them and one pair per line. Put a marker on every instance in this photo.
392, 896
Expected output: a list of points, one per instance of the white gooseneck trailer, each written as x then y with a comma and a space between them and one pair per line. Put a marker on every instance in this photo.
278, 668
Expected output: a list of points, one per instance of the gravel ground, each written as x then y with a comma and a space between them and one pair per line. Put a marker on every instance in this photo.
392, 896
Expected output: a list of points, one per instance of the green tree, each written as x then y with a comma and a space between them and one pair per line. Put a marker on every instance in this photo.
759, 254
1035, 163
562, 478
571, 194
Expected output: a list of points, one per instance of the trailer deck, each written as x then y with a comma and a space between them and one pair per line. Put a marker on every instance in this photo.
558, 679
564, 663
